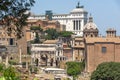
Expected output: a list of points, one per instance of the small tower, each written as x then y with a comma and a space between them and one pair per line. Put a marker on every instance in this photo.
111, 32
90, 29
48, 15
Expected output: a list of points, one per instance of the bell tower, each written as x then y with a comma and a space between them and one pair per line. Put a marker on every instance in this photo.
111, 32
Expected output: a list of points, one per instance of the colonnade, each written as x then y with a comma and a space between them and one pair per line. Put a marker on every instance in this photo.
76, 25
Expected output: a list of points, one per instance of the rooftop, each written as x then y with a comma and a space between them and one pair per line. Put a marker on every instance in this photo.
50, 42
103, 40
78, 9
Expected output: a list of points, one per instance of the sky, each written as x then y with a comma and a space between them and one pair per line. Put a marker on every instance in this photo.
106, 13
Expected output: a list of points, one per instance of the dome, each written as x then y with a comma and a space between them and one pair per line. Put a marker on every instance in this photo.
77, 10
90, 24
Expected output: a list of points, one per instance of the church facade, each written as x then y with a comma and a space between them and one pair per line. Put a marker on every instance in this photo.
99, 49
95, 49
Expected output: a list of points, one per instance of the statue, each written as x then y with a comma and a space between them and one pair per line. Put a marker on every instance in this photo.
78, 5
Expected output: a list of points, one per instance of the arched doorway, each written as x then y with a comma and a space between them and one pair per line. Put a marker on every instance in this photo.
57, 62
51, 62
44, 59
36, 61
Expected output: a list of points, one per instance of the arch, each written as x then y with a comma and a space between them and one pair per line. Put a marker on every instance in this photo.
51, 61
44, 58
86, 35
37, 62
57, 62
11, 58
91, 35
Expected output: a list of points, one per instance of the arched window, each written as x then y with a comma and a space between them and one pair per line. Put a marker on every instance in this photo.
91, 35
86, 35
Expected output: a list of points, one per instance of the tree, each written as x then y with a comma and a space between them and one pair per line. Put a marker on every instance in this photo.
37, 39
66, 37
36, 28
11, 73
51, 34
107, 71
65, 34
2, 67
13, 15
74, 68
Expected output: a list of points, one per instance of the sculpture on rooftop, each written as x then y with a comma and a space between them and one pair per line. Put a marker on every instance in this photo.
78, 5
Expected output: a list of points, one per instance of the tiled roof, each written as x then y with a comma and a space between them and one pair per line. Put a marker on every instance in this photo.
79, 39
103, 39
50, 42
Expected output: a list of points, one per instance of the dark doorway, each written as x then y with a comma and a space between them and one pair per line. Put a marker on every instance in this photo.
51, 62
57, 63
44, 59
36, 62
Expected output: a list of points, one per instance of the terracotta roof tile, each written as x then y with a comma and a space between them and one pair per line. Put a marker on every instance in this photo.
101, 39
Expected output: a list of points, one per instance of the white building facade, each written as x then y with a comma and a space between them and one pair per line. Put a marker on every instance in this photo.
74, 21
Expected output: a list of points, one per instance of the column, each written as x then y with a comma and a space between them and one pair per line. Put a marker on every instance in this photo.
6, 62
73, 24
20, 57
76, 24
26, 65
79, 25
33, 57
73, 54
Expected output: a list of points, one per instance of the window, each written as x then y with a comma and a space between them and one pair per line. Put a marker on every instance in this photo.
104, 49
11, 41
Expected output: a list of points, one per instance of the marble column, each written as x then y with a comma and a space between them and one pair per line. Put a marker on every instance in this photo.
79, 24
75, 25
6, 63
20, 57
